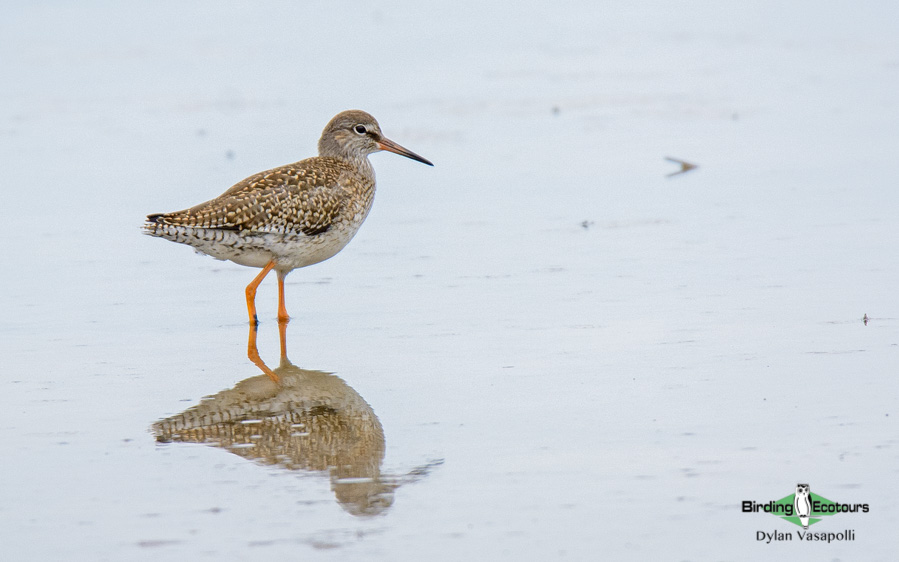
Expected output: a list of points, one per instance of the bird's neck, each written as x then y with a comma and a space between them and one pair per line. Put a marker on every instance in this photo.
356, 159
360, 164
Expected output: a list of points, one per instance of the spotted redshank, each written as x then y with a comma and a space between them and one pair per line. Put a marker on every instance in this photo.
292, 216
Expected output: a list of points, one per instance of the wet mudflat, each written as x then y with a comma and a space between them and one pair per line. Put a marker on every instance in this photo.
545, 347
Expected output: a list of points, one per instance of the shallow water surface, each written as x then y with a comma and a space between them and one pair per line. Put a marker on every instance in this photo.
545, 347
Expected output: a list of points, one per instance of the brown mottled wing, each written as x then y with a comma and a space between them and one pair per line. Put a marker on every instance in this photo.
300, 197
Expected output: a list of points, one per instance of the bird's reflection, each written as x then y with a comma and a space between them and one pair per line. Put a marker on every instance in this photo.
298, 419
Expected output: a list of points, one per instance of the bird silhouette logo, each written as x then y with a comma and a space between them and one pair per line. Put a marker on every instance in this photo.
802, 504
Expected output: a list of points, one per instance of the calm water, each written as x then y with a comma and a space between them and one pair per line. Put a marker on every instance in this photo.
542, 348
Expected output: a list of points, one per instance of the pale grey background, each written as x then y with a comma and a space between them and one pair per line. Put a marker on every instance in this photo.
609, 392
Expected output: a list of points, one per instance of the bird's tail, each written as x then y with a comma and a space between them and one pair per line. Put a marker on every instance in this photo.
152, 225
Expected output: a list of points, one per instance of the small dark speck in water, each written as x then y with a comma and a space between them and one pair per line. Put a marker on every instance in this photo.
865, 319
323, 545
684, 166
155, 543
587, 224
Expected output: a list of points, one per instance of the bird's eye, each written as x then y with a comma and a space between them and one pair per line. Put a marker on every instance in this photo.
360, 129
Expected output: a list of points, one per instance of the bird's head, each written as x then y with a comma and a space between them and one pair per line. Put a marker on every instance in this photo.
354, 134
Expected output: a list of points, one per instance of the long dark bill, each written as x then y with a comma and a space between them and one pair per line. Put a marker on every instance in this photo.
389, 145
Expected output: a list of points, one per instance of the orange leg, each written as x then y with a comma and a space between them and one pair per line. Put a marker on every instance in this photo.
282, 309
253, 355
251, 292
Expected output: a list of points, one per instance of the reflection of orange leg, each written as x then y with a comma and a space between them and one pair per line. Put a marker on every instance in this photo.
253, 355
251, 293
282, 332
282, 309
